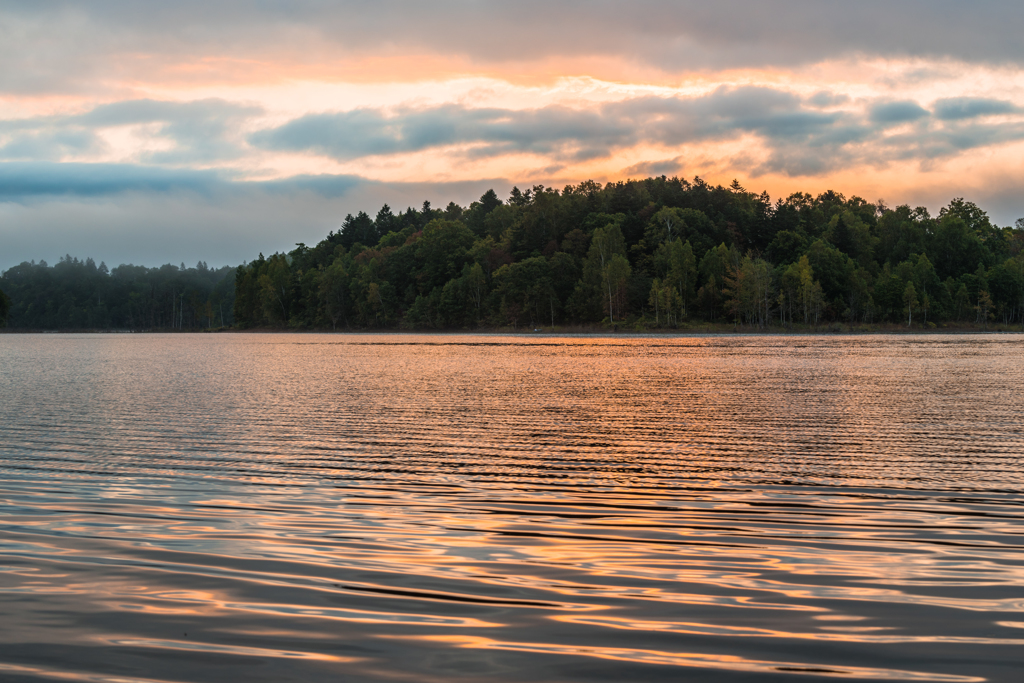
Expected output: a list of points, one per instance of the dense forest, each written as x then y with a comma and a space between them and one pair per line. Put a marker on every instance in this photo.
74, 294
646, 254
655, 253
5, 307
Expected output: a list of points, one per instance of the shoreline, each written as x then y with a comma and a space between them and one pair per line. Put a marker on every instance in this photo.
706, 330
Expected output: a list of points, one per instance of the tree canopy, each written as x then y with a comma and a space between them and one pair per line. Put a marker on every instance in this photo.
659, 251
76, 294
5, 308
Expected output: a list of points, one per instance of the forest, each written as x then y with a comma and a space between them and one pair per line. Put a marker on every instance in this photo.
657, 253
644, 254
74, 294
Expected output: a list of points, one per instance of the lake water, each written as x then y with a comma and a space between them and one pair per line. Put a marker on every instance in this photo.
483, 508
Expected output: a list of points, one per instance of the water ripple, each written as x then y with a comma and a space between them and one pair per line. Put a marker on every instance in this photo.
471, 508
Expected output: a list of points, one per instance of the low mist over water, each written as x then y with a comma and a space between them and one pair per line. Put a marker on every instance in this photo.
483, 508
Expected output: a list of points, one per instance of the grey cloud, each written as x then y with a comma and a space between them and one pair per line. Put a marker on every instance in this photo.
177, 220
566, 135
50, 145
958, 108
826, 98
654, 168
71, 46
127, 112
771, 113
325, 185
26, 182
927, 142
23, 181
800, 137
201, 131
363, 132
150, 228
947, 141
124, 213
234, 221
897, 112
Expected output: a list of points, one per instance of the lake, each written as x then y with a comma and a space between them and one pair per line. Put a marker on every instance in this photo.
300, 507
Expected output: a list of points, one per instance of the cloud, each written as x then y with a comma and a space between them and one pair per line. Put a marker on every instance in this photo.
75, 47
175, 221
563, 133
24, 181
826, 98
234, 220
74, 55
366, 132
200, 131
950, 140
153, 228
958, 108
897, 112
797, 137
50, 145
801, 139
726, 113
646, 169
35, 183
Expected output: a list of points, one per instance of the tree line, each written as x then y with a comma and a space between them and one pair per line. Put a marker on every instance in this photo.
654, 253
75, 294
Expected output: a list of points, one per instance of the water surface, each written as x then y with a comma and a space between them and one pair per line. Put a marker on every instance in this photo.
482, 508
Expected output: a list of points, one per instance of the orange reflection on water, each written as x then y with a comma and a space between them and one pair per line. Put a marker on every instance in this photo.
404, 507
850, 633
704, 661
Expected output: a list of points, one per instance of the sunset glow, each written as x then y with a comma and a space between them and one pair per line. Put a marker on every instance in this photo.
403, 103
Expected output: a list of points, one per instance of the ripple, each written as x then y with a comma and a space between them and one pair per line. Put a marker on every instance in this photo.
317, 507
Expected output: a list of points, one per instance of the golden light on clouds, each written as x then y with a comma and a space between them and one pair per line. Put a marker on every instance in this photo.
283, 92
458, 99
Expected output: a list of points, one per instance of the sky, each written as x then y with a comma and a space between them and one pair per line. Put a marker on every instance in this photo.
149, 132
